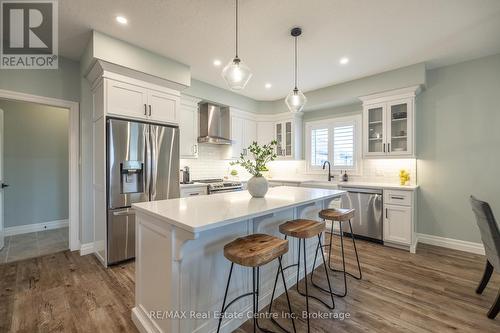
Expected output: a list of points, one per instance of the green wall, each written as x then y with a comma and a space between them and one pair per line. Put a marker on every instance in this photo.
347, 93
35, 163
215, 94
62, 83
458, 146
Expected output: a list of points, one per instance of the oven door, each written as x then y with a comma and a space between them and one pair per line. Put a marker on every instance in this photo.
225, 190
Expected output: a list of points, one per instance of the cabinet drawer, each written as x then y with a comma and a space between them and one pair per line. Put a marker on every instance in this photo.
395, 197
192, 192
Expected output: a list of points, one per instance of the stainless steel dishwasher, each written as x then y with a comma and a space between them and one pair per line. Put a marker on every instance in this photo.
368, 218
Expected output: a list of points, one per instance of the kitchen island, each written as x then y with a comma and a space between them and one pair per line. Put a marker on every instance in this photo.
181, 271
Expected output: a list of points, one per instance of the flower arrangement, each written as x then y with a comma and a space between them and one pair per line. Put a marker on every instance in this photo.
261, 156
404, 177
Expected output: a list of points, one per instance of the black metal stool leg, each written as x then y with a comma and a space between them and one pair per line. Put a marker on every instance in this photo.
305, 281
254, 301
330, 291
343, 260
356, 252
225, 297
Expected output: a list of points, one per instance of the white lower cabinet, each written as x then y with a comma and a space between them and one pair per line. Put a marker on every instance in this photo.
399, 219
397, 224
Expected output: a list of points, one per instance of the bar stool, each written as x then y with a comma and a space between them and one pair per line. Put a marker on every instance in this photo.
304, 229
340, 215
254, 251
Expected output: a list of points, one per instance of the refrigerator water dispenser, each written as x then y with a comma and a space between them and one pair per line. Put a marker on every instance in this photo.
132, 177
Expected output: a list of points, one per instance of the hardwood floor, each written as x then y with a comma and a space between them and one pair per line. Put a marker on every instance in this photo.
432, 291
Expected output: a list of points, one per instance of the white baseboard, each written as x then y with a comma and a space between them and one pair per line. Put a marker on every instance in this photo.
24, 229
86, 248
451, 243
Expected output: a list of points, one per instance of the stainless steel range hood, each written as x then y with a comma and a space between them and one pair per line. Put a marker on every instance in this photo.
214, 124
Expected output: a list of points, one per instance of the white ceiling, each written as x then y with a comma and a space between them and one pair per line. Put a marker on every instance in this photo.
376, 35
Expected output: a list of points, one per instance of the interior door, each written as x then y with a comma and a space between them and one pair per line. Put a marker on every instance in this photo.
2, 182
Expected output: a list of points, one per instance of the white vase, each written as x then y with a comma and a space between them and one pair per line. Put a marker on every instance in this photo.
257, 186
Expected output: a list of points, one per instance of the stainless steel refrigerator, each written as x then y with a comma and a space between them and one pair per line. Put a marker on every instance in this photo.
142, 165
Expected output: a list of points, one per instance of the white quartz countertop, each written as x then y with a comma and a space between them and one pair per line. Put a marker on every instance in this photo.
328, 185
201, 213
387, 186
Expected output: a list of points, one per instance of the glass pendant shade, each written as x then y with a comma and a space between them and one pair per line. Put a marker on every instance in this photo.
295, 101
236, 74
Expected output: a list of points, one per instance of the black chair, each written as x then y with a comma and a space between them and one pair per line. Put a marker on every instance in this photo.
490, 235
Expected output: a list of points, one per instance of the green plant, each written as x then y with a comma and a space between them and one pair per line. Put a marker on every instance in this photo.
261, 156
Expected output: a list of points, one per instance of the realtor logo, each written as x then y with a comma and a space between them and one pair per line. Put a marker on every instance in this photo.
29, 34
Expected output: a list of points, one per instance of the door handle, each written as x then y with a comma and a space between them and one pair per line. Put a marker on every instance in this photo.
4, 185
150, 110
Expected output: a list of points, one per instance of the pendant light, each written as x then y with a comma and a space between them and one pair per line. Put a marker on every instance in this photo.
236, 73
296, 99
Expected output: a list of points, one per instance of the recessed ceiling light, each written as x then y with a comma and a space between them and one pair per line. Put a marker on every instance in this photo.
217, 62
268, 85
344, 61
121, 20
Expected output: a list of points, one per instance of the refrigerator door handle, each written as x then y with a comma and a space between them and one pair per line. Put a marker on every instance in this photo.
154, 162
147, 168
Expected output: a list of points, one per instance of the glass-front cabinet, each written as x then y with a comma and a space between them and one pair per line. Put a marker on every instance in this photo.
288, 134
388, 129
376, 130
399, 140
284, 137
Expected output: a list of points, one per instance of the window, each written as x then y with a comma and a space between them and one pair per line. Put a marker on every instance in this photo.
319, 146
343, 146
337, 140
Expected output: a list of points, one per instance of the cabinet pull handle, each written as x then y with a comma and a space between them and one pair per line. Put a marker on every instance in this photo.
386, 214
388, 147
397, 198
150, 110
384, 147
193, 194
145, 110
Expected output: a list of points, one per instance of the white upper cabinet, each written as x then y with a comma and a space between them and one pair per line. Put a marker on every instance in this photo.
142, 102
288, 134
237, 136
265, 132
389, 124
163, 106
188, 127
243, 132
125, 99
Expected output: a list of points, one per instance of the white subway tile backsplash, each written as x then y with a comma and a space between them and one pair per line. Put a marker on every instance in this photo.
212, 162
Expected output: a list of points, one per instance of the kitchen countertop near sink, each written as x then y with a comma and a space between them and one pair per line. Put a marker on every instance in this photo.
304, 182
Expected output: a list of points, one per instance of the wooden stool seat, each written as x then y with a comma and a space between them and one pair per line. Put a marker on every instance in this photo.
255, 250
301, 228
337, 214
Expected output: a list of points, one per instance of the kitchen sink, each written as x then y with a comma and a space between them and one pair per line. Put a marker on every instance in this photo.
319, 184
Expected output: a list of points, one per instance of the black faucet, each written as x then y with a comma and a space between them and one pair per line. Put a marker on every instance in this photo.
330, 176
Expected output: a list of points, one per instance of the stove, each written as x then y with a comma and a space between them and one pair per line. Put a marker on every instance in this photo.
217, 185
